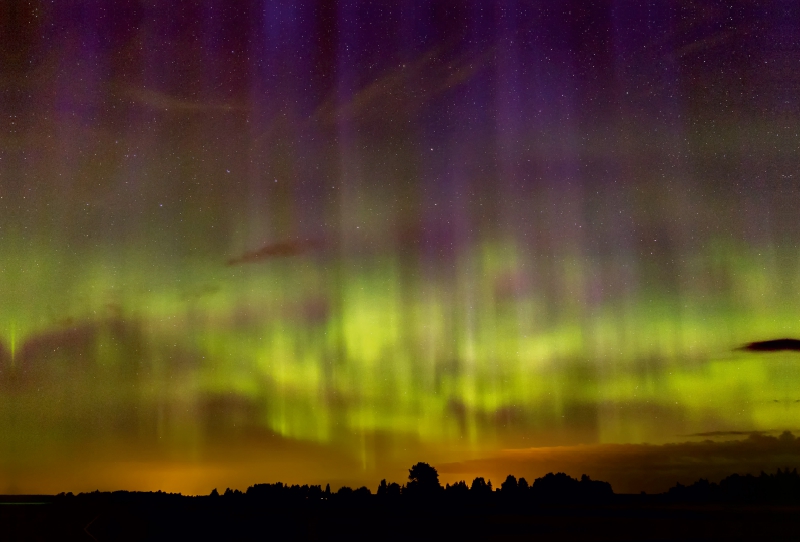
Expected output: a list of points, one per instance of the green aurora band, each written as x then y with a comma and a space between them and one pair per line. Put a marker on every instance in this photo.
442, 360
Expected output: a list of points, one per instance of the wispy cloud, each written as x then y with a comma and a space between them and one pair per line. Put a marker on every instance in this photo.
167, 102
407, 87
276, 250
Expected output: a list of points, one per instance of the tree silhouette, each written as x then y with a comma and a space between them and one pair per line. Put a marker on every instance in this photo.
480, 487
362, 493
561, 487
344, 491
423, 480
459, 488
510, 486
388, 490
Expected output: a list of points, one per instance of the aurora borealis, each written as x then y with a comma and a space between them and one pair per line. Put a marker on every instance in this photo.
321, 241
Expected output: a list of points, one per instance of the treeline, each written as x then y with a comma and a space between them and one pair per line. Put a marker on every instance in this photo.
423, 485
781, 487
558, 487
555, 506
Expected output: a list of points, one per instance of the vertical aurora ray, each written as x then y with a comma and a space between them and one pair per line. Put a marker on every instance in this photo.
367, 233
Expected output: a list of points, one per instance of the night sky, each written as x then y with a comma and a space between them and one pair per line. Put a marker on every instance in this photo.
318, 241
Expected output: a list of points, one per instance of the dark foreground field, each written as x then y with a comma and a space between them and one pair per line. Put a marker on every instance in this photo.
207, 518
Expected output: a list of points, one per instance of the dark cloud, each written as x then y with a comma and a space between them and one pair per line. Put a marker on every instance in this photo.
774, 345
727, 433
631, 468
276, 250
64, 350
71, 350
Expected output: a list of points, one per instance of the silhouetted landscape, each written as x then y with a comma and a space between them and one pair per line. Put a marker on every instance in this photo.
553, 507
